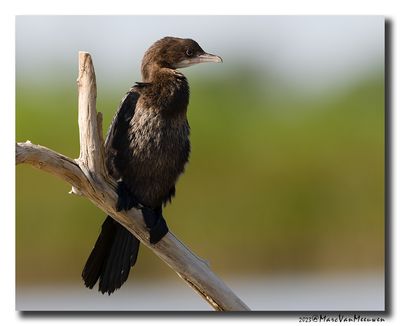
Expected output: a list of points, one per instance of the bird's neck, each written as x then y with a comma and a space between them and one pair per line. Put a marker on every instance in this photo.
152, 73
169, 90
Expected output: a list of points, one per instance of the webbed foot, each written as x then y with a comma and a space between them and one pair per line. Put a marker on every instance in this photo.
156, 223
153, 218
125, 198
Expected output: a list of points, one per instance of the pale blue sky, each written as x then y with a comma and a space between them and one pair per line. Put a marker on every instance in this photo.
308, 52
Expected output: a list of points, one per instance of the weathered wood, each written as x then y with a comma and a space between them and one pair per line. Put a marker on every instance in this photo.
90, 143
89, 178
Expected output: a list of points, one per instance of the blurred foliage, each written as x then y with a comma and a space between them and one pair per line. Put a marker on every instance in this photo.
276, 182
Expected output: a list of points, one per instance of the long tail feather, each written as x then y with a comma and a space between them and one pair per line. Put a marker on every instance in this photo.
112, 257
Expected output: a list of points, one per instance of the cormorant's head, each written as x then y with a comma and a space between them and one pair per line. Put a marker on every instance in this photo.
174, 53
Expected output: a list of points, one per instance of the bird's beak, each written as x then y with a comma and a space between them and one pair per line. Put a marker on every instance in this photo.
204, 57
207, 57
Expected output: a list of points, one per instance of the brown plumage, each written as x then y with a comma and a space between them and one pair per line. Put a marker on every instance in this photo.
147, 147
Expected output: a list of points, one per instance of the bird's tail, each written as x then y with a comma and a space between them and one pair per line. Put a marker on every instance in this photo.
112, 257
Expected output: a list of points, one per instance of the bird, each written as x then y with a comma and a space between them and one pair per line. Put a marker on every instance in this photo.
146, 149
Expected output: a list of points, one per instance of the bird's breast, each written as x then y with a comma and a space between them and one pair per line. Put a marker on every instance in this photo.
155, 136
160, 149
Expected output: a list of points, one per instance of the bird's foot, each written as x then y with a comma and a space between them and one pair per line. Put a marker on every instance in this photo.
125, 198
156, 223
153, 218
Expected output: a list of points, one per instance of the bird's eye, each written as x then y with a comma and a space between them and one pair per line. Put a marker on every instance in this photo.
189, 52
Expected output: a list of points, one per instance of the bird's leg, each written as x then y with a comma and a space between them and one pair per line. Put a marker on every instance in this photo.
155, 222
153, 218
126, 200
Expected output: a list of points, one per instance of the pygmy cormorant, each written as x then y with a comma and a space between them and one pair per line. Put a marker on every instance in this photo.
147, 147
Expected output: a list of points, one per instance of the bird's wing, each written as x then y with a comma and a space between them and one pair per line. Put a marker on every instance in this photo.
117, 140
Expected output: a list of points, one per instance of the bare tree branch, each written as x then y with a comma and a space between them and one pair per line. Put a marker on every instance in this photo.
89, 178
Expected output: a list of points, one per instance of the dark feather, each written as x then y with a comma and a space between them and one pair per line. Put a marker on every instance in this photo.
115, 249
117, 139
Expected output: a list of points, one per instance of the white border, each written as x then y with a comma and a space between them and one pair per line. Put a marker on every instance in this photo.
389, 9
